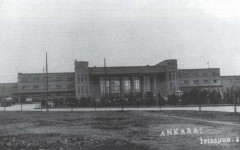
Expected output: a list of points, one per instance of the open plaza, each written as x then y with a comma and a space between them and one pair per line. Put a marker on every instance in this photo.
120, 130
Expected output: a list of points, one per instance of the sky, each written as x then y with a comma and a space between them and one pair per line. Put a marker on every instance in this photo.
125, 32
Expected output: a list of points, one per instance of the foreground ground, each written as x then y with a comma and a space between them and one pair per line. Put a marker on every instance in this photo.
119, 130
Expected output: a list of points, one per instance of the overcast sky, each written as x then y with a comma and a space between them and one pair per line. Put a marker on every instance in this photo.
125, 32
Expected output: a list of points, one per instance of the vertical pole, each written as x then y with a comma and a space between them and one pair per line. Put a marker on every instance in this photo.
132, 90
72, 101
209, 82
4, 104
21, 104
121, 92
199, 100
95, 105
160, 97
234, 97
46, 83
155, 89
105, 76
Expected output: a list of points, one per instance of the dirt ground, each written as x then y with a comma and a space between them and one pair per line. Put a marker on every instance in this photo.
137, 130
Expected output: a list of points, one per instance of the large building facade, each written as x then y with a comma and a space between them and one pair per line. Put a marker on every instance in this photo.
7, 89
124, 82
203, 79
33, 85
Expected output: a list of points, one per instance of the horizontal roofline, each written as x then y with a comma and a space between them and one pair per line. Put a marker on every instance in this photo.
231, 76
199, 69
123, 66
9, 83
48, 73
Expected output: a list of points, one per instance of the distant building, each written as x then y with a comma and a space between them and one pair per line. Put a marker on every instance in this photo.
230, 82
7, 89
202, 79
33, 85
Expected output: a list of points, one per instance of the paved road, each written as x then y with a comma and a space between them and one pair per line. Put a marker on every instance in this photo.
31, 107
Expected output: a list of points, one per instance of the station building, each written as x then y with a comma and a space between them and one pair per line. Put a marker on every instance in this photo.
101, 82
127, 81
139, 82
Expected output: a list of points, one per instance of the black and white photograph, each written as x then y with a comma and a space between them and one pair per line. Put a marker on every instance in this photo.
119, 74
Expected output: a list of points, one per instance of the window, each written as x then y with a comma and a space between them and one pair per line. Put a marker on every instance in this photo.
115, 85
14, 88
82, 77
169, 76
205, 81
78, 89
46, 86
58, 86
3, 87
24, 80
70, 78
58, 79
104, 85
78, 79
215, 81
82, 89
24, 87
126, 84
70, 86
186, 74
186, 81
196, 81
205, 74
35, 87
171, 86
194, 74
148, 84
86, 90
36, 79
49, 78
136, 84
215, 74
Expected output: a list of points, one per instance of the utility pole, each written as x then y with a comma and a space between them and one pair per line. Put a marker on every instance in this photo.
209, 82
199, 100
234, 96
46, 83
105, 76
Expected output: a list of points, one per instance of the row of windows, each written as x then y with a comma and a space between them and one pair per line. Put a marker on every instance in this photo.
115, 85
231, 81
4, 88
81, 78
173, 86
191, 74
82, 89
37, 87
172, 76
198, 81
37, 79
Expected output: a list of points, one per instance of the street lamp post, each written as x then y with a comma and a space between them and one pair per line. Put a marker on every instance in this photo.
46, 105
234, 96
